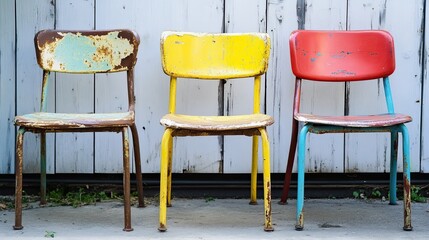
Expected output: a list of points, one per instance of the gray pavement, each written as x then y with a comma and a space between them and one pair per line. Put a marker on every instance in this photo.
222, 219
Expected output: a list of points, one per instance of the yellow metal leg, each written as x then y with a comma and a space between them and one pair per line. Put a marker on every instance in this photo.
267, 180
170, 169
166, 139
254, 174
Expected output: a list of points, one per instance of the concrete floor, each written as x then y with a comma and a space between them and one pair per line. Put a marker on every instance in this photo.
222, 219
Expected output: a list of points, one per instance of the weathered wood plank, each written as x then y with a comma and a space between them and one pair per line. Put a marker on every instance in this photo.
111, 89
75, 93
424, 158
371, 152
282, 19
191, 154
242, 16
325, 152
32, 17
7, 86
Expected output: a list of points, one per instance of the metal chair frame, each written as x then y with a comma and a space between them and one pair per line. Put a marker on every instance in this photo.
306, 46
82, 52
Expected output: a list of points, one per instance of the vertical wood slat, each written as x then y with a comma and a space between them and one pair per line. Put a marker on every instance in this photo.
201, 154
371, 152
32, 17
7, 86
110, 89
195, 154
242, 16
74, 93
282, 19
424, 158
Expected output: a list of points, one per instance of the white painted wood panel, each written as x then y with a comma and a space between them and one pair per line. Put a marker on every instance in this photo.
7, 86
242, 16
80, 153
74, 93
111, 89
282, 19
424, 158
32, 17
197, 154
371, 152
324, 152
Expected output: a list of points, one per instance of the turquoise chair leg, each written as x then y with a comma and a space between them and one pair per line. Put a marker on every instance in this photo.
406, 178
300, 184
393, 166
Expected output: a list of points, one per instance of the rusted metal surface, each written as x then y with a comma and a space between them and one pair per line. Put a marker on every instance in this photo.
126, 164
300, 222
86, 51
137, 162
18, 178
42, 168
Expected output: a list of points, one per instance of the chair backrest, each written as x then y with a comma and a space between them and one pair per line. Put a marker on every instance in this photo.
214, 56
86, 51
341, 55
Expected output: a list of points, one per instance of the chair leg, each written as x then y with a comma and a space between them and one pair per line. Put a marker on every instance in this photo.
163, 184
137, 161
300, 185
291, 158
254, 173
169, 171
126, 165
406, 178
42, 168
393, 166
267, 179
18, 178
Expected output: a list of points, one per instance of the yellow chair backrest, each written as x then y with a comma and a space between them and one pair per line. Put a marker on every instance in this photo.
214, 56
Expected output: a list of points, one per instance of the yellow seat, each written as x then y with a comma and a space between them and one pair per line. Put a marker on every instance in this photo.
82, 52
213, 57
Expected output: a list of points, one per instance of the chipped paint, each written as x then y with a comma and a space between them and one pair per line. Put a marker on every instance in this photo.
84, 52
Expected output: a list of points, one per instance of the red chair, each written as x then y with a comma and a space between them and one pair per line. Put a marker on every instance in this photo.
343, 56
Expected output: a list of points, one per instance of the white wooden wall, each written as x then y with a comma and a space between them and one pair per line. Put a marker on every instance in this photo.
101, 152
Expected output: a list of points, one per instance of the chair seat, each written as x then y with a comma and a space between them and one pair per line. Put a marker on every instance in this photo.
216, 123
380, 120
45, 120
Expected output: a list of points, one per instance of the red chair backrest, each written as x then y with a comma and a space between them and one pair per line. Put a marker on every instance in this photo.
341, 55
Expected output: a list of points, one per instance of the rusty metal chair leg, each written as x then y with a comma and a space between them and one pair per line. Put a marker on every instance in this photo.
42, 168
267, 180
165, 149
18, 179
169, 171
290, 161
137, 160
406, 178
254, 173
126, 164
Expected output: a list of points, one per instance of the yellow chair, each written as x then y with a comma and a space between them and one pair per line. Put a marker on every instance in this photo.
214, 57
82, 52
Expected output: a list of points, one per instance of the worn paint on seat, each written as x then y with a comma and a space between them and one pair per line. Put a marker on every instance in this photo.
378, 120
219, 123
47, 120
